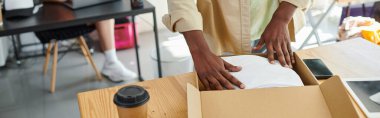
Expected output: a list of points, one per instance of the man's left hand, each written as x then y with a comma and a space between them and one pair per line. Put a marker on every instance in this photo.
276, 36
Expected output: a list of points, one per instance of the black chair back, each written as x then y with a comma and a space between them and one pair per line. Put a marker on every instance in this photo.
64, 33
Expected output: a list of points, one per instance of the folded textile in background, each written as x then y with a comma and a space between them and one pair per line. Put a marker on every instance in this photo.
20, 8
257, 72
352, 26
365, 27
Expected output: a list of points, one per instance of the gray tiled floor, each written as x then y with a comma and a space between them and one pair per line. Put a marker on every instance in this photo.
24, 90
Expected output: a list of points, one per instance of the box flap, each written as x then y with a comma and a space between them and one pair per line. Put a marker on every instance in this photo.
338, 99
289, 102
193, 102
304, 72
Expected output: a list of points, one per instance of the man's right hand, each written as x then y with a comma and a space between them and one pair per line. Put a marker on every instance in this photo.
211, 69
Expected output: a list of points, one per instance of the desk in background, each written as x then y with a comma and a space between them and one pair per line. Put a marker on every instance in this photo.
43, 21
352, 58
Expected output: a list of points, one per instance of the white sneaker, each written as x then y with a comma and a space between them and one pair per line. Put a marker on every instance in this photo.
116, 72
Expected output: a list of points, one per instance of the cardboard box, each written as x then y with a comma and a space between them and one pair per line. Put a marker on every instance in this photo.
328, 100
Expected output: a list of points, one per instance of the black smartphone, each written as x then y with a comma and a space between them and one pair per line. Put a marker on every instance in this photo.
318, 68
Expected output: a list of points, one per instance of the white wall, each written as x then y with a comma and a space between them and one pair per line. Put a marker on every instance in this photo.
145, 22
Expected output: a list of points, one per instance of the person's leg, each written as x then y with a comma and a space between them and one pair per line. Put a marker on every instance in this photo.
113, 69
106, 31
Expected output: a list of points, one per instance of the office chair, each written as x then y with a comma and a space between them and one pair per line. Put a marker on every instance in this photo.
56, 35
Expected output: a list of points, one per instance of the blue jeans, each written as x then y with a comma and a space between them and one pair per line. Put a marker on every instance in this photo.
262, 50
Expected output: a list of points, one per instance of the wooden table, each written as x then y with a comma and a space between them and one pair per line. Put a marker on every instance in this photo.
168, 98
353, 58
348, 59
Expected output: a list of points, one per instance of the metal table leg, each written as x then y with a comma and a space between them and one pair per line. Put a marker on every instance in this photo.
316, 34
15, 49
19, 45
157, 44
136, 49
317, 25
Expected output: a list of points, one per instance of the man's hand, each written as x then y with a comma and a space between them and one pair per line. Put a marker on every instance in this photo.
276, 36
211, 69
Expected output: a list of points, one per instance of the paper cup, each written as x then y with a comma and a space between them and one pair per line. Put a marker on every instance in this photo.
131, 102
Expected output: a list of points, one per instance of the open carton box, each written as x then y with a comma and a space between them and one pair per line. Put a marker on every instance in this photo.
328, 100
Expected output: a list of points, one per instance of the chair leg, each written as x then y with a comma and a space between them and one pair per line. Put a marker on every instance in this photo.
54, 67
85, 54
88, 56
47, 58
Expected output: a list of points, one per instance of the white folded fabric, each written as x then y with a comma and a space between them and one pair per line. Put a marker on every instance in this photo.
20, 8
18, 4
257, 72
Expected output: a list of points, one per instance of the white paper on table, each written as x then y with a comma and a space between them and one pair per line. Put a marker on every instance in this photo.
257, 72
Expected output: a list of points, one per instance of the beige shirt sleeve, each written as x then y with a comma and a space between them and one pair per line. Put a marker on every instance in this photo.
301, 4
183, 16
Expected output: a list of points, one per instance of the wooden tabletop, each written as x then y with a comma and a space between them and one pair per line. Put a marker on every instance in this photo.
353, 58
348, 59
167, 98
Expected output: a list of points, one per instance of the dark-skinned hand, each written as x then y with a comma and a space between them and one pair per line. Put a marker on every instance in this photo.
213, 71
276, 36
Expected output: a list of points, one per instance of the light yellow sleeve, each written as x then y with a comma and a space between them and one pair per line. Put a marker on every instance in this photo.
183, 16
301, 4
